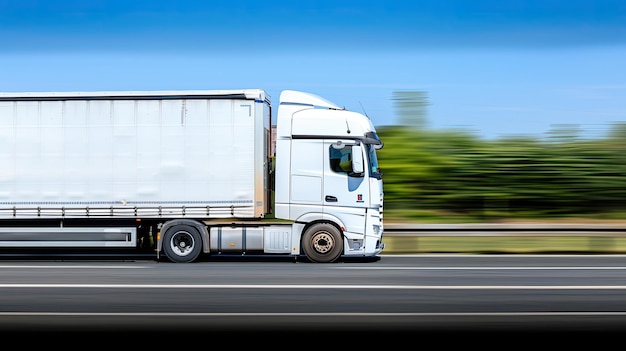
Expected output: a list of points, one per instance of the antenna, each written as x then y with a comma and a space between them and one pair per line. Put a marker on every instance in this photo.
365, 113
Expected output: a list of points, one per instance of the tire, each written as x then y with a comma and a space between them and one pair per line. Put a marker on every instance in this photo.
182, 243
322, 243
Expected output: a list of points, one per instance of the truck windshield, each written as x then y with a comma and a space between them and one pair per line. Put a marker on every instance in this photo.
373, 162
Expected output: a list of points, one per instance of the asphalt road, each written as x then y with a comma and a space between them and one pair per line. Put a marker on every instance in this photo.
396, 297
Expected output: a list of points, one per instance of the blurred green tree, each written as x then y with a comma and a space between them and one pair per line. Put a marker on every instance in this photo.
456, 176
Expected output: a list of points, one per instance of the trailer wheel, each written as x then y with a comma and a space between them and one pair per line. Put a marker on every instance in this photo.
322, 243
182, 243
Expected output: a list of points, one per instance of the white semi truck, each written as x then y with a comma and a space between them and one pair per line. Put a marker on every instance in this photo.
186, 174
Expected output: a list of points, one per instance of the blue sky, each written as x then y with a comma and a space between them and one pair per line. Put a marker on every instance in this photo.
491, 67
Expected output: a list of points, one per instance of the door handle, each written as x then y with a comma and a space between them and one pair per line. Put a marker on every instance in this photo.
330, 198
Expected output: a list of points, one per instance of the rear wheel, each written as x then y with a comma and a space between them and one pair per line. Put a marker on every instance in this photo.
182, 243
322, 243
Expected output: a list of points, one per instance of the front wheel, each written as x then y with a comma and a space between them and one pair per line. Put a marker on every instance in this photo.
322, 243
182, 243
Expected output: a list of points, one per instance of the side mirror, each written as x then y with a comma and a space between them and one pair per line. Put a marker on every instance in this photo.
357, 159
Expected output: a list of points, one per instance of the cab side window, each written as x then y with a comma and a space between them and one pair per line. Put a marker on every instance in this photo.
341, 160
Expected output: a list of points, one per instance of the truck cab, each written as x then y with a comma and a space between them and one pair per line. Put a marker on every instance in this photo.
327, 174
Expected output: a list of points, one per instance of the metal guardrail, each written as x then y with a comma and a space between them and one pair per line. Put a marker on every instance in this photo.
506, 229
596, 238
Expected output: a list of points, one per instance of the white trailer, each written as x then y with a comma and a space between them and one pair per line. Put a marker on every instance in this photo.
187, 174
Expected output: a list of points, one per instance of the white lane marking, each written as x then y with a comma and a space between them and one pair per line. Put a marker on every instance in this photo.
500, 255
353, 267
294, 286
69, 266
480, 267
309, 314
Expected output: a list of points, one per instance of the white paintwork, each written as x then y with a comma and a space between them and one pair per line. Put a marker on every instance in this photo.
199, 154
84, 152
307, 190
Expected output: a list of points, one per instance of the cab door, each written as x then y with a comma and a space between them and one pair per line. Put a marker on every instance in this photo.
344, 191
